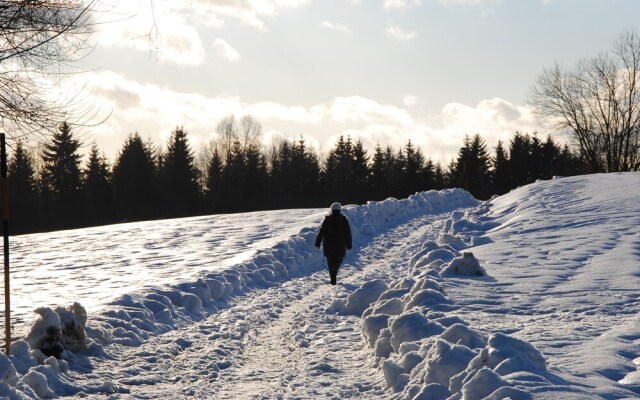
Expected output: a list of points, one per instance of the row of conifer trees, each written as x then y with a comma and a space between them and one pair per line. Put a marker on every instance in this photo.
55, 189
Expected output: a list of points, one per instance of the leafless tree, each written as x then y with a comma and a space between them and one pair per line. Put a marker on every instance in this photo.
598, 102
250, 132
227, 133
39, 39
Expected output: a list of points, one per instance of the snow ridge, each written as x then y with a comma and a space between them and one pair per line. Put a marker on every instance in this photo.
423, 351
136, 317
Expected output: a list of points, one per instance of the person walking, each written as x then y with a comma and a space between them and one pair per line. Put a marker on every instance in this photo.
335, 236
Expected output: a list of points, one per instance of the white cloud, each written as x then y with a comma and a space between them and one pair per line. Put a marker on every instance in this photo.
154, 111
409, 100
398, 33
362, 110
226, 50
397, 4
171, 28
335, 26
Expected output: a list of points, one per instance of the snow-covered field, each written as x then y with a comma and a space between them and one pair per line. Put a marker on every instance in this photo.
534, 295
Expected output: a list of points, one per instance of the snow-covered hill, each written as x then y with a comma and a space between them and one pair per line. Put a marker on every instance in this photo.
532, 295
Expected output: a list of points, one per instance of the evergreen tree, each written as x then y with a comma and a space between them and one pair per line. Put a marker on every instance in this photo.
233, 178
537, 161
550, 155
359, 189
61, 178
256, 179
412, 177
378, 177
179, 177
97, 189
294, 175
338, 176
23, 196
439, 178
429, 176
135, 181
214, 193
520, 160
395, 176
471, 169
501, 175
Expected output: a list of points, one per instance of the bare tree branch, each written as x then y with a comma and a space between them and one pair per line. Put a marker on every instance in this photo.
39, 39
598, 102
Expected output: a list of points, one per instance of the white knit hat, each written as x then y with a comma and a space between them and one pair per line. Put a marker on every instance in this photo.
336, 206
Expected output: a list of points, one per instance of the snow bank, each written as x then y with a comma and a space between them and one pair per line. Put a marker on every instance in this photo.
135, 317
422, 350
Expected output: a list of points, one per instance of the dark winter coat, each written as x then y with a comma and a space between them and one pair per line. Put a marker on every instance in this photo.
335, 234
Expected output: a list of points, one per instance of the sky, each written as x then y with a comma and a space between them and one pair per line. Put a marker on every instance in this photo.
384, 71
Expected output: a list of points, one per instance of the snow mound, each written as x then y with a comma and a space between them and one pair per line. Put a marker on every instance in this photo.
425, 353
467, 265
58, 330
135, 317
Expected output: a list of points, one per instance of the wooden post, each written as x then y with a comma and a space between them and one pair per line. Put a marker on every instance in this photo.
5, 234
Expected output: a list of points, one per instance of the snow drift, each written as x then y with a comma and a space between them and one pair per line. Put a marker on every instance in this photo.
137, 316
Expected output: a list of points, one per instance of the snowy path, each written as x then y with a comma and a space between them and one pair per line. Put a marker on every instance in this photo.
278, 342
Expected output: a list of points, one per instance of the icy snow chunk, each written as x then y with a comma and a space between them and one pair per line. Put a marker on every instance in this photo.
46, 333
392, 293
391, 372
372, 325
405, 283
446, 360
361, 298
201, 289
38, 382
409, 361
461, 334
382, 348
426, 283
412, 326
527, 356
434, 258
8, 371
428, 298
433, 391
190, 302
393, 306
467, 265
408, 347
631, 379
73, 321
483, 383
217, 289
268, 274
454, 241
508, 392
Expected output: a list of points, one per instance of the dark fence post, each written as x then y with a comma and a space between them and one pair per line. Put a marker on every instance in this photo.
5, 234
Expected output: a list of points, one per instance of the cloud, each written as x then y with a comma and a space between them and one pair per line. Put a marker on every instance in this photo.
398, 33
409, 100
226, 50
154, 111
398, 4
362, 110
335, 26
170, 29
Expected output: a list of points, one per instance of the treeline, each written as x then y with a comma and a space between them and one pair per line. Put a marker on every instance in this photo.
56, 190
